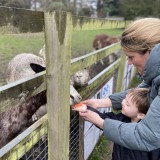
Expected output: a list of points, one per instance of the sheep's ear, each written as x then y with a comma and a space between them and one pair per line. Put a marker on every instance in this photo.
37, 68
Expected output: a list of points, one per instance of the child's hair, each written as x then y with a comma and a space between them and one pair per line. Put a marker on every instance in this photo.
140, 97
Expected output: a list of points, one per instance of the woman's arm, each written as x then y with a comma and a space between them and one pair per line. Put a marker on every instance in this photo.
114, 101
144, 135
98, 103
117, 99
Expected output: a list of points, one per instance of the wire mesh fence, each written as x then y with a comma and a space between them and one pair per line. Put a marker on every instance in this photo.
74, 136
36, 146
39, 151
31, 147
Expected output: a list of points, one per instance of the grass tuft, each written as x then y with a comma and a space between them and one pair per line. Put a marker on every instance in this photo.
103, 150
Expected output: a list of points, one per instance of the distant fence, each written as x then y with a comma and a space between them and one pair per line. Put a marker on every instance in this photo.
30, 22
66, 133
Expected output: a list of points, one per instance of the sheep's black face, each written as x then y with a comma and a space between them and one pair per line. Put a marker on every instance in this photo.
37, 68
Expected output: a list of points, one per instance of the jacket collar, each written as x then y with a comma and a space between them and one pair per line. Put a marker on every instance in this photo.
152, 66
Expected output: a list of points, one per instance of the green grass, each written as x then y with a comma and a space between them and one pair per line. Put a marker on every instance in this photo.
13, 44
103, 150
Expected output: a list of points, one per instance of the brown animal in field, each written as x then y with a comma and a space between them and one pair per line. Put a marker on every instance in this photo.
103, 40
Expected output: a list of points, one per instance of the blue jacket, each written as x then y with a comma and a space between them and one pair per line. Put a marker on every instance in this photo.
144, 135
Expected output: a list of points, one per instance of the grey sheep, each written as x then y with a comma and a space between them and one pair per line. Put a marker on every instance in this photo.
26, 64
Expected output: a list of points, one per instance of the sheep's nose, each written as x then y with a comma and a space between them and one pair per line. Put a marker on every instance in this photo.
77, 99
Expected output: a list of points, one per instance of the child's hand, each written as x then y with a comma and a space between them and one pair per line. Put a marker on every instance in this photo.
92, 117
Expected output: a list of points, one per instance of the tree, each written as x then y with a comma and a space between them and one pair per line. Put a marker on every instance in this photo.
130, 9
85, 12
16, 3
100, 9
51, 5
111, 7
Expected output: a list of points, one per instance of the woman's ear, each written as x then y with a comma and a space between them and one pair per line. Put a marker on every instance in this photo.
148, 53
140, 115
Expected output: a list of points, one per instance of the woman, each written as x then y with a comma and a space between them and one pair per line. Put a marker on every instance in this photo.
140, 44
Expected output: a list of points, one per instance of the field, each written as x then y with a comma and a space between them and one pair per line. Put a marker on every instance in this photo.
12, 44
82, 40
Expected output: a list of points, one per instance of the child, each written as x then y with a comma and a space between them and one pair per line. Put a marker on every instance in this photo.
134, 108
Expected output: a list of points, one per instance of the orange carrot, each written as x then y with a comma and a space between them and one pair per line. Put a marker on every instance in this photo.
78, 105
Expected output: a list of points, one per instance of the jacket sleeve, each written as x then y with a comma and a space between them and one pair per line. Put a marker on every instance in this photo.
144, 135
117, 98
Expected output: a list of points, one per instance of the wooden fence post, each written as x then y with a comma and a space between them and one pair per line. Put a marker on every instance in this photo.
58, 54
121, 73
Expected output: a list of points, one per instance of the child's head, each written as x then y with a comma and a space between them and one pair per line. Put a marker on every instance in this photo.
136, 104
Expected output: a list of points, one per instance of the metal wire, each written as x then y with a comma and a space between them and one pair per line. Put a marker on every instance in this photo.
74, 136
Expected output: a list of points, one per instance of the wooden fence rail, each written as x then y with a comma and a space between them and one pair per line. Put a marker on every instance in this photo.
59, 67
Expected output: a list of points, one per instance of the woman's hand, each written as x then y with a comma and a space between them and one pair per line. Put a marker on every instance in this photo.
91, 102
92, 117
98, 103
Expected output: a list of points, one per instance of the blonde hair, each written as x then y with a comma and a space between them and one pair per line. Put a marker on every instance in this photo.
140, 97
141, 35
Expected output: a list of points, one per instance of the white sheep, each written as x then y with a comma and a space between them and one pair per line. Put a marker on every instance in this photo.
19, 67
